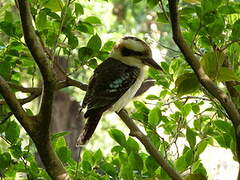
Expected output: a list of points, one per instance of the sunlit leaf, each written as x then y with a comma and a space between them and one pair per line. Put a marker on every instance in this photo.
93, 20
226, 74
54, 5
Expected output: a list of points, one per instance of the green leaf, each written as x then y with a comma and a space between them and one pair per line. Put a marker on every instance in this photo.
154, 138
60, 142
5, 70
223, 126
88, 156
94, 43
85, 27
152, 97
236, 30
84, 54
195, 165
64, 154
141, 107
116, 149
135, 161
195, 108
186, 109
126, 172
108, 46
78, 9
59, 134
92, 63
201, 146
212, 63
191, 137
152, 3
109, 169
12, 132
216, 28
16, 150
72, 41
5, 160
154, 116
186, 83
181, 164
54, 5
132, 145
93, 20
86, 166
41, 20
8, 28
210, 5
151, 164
226, 74
97, 157
118, 136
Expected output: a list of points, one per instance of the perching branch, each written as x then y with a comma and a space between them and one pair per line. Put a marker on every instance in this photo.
152, 150
206, 82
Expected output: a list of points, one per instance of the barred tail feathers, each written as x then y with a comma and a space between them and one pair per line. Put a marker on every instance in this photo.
89, 128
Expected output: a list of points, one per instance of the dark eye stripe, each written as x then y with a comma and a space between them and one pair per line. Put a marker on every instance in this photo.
128, 52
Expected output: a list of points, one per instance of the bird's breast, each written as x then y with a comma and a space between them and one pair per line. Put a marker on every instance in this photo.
129, 94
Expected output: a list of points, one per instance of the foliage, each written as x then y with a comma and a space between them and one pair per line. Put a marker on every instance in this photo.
182, 108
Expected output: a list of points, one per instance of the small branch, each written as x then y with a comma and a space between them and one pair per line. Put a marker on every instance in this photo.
36, 92
71, 82
135, 131
14, 104
229, 44
23, 89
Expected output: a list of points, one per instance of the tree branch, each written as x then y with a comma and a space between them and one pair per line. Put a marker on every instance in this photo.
135, 131
14, 105
40, 133
209, 85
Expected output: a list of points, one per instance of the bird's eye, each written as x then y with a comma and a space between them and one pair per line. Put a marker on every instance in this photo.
128, 52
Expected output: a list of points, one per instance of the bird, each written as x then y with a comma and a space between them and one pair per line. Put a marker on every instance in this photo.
115, 82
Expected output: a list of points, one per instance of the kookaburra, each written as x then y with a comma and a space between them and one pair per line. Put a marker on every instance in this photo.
115, 81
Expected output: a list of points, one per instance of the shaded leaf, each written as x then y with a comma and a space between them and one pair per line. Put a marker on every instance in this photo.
186, 83
191, 137
118, 136
135, 161
151, 164
12, 132
94, 43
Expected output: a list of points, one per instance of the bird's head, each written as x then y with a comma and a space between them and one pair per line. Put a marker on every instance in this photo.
135, 52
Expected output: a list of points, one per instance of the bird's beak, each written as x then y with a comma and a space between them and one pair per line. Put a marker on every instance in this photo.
150, 62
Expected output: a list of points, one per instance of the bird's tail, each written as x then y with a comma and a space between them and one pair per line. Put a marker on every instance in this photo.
89, 128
